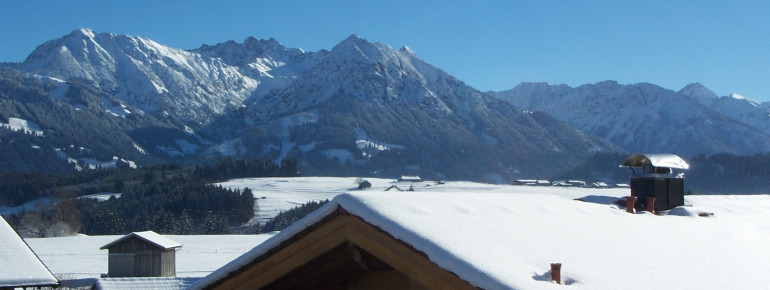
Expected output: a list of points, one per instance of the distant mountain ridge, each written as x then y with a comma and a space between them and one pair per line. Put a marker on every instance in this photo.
372, 106
144, 74
362, 108
647, 118
735, 106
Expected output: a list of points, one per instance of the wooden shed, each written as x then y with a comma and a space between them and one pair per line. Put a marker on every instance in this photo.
142, 254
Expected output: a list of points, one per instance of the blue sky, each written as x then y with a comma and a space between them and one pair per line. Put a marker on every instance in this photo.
490, 45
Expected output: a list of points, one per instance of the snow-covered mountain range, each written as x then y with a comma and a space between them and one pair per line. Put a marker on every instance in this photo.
735, 106
361, 108
144, 74
647, 118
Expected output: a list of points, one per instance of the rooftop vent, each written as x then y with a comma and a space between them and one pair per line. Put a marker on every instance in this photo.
657, 178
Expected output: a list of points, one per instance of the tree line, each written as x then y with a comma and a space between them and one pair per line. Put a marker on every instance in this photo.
167, 199
721, 173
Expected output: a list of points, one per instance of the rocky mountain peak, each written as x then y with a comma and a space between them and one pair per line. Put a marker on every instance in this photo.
83, 32
698, 91
408, 51
356, 48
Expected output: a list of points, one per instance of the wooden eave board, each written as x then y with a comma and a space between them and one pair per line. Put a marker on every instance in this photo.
331, 233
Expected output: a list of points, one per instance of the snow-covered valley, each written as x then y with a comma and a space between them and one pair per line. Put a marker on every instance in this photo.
710, 239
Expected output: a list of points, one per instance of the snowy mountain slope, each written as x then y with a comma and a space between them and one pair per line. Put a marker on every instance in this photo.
735, 106
43, 132
331, 110
437, 121
641, 117
367, 72
266, 61
144, 74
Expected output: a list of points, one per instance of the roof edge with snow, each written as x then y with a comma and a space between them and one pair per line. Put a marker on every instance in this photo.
317, 221
656, 160
148, 236
19, 265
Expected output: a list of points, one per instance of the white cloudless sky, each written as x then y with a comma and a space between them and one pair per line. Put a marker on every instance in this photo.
490, 45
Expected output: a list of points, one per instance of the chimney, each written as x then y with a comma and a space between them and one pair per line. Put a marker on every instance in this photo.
630, 203
556, 272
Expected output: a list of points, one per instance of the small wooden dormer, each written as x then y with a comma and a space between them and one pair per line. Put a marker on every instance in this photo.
142, 254
341, 252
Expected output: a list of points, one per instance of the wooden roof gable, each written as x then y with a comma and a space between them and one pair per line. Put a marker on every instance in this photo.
341, 250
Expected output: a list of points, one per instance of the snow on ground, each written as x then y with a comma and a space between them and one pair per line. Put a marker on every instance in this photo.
505, 237
370, 147
102, 196
79, 257
28, 206
499, 236
230, 147
16, 124
117, 110
281, 194
94, 164
140, 149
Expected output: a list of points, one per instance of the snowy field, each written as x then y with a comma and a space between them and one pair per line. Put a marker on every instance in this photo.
712, 242
505, 237
274, 195
79, 257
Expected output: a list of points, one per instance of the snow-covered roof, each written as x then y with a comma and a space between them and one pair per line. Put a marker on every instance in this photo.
656, 160
499, 240
149, 236
155, 283
79, 257
19, 266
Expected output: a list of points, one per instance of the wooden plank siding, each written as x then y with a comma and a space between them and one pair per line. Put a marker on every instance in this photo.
135, 257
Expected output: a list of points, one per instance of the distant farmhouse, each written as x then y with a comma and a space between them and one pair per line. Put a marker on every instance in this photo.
364, 184
532, 182
408, 178
570, 183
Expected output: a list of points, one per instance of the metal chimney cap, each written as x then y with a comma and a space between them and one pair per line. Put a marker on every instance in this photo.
656, 160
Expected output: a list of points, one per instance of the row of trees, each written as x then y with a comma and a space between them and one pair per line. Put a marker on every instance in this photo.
181, 207
715, 174
729, 174
286, 218
228, 168
168, 199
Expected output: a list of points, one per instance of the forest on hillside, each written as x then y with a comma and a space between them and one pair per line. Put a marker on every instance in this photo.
167, 199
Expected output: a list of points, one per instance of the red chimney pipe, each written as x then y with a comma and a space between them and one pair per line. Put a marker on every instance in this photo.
651, 204
630, 203
556, 272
